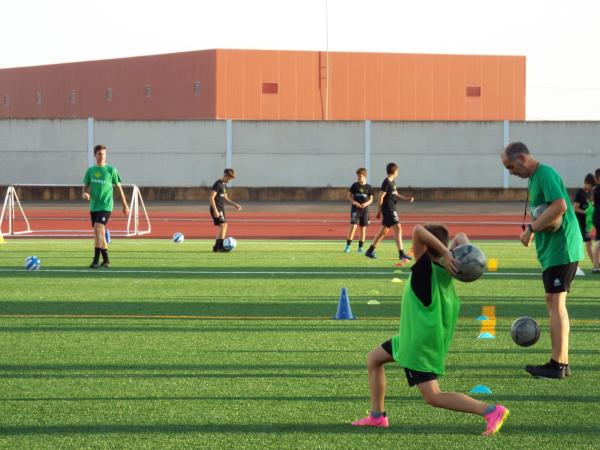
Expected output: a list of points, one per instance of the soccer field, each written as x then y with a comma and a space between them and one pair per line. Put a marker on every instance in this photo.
175, 346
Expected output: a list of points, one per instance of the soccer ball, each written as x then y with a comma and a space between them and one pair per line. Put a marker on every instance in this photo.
178, 237
32, 263
539, 210
470, 262
229, 244
525, 331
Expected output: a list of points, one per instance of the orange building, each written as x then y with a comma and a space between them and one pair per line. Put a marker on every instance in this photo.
271, 85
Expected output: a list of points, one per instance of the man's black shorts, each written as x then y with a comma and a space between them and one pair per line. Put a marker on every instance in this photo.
218, 220
390, 218
100, 217
587, 237
558, 278
359, 216
413, 377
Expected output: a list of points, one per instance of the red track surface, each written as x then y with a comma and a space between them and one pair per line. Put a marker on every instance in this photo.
268, 225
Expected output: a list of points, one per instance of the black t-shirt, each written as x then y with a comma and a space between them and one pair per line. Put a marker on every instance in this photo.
596, 197
420, 281
389, 202
361, 192
220, 187
582, 197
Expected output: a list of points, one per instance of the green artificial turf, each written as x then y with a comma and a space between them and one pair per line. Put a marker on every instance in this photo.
239, 350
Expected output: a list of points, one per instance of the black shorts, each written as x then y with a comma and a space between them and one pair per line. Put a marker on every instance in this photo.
597, 227
558, 278
360, 216
413, 377
390, 218
217, 221
100, 217
587, 237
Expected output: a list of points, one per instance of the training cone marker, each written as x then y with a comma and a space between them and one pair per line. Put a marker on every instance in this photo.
373, 302
579, 273
492, 265
344, 312
374, 292
480, 318
1, 238
486, 335
480, 389
396, 280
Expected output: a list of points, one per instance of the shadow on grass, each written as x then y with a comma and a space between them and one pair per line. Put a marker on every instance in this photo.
311, 428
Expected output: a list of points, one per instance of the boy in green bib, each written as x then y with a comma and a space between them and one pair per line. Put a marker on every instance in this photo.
430, 309
98, 183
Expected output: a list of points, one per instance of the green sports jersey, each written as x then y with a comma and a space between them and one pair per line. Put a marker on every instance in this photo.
426, 331
101, 180
563, 246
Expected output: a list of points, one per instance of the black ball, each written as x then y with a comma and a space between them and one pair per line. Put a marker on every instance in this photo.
525, 331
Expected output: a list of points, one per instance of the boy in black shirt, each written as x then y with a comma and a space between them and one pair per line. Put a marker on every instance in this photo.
387, 208
360, 195
580, 204
596, 219
217, 200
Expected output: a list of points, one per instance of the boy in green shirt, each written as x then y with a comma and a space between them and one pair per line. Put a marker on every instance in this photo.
98, 183
558, 244
430, 309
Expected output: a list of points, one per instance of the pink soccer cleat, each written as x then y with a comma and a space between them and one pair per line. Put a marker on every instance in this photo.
372, 422
495, 419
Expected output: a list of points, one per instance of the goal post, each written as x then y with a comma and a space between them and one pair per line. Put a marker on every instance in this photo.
13, 214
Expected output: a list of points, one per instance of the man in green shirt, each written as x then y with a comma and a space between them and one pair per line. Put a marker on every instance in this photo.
558, 244
430, 309
98, 183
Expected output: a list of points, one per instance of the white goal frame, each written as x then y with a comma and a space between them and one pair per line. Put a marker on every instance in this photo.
12, 206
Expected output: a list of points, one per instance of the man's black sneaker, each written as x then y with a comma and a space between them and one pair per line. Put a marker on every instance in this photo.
94, 265
546, 371
215, 249
105, 265
404, 257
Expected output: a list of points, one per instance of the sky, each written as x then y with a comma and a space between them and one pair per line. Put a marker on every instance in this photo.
560, 39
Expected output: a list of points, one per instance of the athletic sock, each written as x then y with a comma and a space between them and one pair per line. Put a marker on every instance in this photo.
360, 244
220, 244
105, 256
400, 253
97, 255
490, 409
377, 414
348, 241
371, 249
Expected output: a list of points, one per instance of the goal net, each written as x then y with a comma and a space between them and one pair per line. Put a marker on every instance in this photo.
44, 216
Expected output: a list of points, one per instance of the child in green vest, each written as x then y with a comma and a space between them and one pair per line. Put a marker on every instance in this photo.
430, 309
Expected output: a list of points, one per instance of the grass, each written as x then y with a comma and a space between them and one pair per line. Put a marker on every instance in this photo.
256, 362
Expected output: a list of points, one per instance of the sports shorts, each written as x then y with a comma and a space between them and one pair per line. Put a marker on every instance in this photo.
360, 216
558, 278
585, 234
100, 217
217, 221
390, 218
413, 377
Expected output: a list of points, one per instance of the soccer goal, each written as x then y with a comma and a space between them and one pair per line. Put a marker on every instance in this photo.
43, 218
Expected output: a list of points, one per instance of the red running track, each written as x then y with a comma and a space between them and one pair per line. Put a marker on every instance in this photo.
265, 225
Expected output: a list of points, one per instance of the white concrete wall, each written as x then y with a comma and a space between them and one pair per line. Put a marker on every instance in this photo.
311, 154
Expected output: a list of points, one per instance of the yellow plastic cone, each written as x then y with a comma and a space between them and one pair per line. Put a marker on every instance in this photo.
492, 265
1, 238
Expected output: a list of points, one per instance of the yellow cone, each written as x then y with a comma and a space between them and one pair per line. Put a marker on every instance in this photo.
396, 280
492, 265
1, 238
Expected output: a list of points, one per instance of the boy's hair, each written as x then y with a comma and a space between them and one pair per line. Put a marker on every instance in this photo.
361, 171
440, 232
99, 147
391, 168
597, 173
229, 172
514, 149
589, 179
